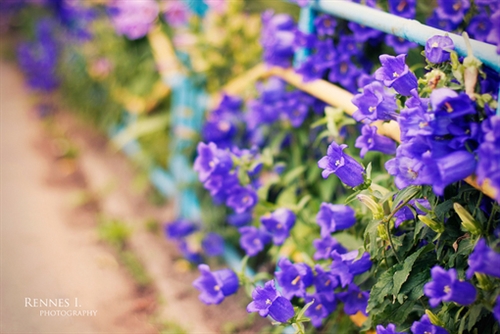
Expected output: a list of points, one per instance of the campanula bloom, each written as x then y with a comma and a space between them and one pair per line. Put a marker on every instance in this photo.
344, 72
253, 240
325, 246
452, 168
293, 278
322, 307
390, 329
221, 186
325, 25
242, 199
396, 74
479, 27
424, 326
189, 253
213, 244
278, 224
363, 33
335, 217
445, 286
325, 282
374, 103
403, 8
215, 286
483, 260
180, 229
268, 301
348, 45
437, 49
441, 23
211, 160
494, 35
348, 170
371, 141
354, 300
454, 10
239, 219
400, 45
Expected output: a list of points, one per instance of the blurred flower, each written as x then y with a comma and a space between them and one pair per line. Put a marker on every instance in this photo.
437, 49
215, 286
494, 35
253, 240
322, 307
180, 229
176, 13
213, 244
425, 326
325, 282
354, 300
133, 19
293, 278
325, 25
278, 224
220, 6
454, 10
480, 26
446, 102
334, 217
445, 286
441, 23
268, 301
325, 246
403, 8
400, 45
242, 199
211, 161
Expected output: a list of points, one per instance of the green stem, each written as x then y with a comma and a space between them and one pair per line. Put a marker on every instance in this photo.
477, 204
387, 222
493, 213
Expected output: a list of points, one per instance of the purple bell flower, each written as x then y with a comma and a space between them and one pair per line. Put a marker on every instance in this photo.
322, 307
396, 74
348, 170
211, 160
371, 141
354, 300
242, 199
293, 278
268, 301
479, 27
400, 45
188, 253
374, 103
494, 35
221, 186
239, 219
213, 244
483, 260
403, 8
253, 240
278, 224
446, 287
344, 72
424, 326
179, 229
448, 103
441, 23
405, 213
325, 282
325, 25
363, 33
325, 246
335, 217
437, 49
215, 286
348, 46
453, 10
390, 329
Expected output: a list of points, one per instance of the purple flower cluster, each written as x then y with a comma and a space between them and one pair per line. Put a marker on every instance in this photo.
74, 17
38, 59
221, 125
268, 301
278, 38
133, 19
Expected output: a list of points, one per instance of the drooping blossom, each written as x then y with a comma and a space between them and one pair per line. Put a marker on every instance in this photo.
345, 167
371, 141
454, 10
268, 301
354, 300
424, 326
483, 260
211, 161
253, 240
396, 74
215, 286
374, 103
335, 217
321, 308
242, 199
325, 246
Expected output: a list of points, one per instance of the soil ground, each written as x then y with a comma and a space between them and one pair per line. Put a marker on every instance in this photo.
50, 248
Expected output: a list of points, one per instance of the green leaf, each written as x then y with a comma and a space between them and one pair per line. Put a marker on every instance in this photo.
287, 197
400, 276
381, 289
304, 309
474, 313
293, 174
406, 195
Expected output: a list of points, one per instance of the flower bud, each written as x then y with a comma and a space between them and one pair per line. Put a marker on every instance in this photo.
472, 65
433, 225
434, 318
468, 222
375, 208
484, 281
382, 232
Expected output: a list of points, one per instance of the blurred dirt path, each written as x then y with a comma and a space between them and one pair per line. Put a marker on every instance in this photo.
44, 257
